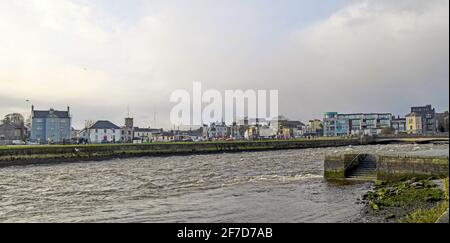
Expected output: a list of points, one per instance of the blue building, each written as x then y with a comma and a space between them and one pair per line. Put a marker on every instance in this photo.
50, 126
336, 124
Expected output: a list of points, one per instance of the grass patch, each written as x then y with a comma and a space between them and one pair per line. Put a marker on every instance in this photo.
428, 215
405, 194
408, 201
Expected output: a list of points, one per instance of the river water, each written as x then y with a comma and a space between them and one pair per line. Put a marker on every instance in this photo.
270, 186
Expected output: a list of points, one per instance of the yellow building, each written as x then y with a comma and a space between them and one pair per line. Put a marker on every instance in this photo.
315, 125
286, 132
413, 123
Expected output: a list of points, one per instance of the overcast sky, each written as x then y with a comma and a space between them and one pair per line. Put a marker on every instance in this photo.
99, 56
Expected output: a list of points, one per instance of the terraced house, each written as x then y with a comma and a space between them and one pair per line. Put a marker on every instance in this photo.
50, 126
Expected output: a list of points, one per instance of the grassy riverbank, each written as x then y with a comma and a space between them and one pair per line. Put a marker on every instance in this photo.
179, 143
407, 201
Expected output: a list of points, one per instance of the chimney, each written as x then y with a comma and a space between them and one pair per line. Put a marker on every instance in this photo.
32, 107
68, 109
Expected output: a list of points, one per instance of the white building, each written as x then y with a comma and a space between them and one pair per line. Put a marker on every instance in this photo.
102, 132
218, 130
267, 132
145, 135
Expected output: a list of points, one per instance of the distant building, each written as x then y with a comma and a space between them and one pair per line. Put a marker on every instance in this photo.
101, 132
195, 135
266, 132
167, 136
238, 131
144, 135
50, 126
314, 128
442, 122
251, 133
11, 133
414, 123
218, 130
428, 116
74, 135
253, 122
127, 130
287, 129
399, 125
336, 124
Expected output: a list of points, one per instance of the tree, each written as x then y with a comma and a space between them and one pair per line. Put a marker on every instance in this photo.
88, 123
15, 119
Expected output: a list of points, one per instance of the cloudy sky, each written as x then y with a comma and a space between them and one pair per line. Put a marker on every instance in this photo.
100, 56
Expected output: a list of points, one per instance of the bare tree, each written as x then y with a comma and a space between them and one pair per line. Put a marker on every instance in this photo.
14, 118
88, 123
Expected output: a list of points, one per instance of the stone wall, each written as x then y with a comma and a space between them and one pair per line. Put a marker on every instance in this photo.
335, 165
399, 167
389, 167
42, 154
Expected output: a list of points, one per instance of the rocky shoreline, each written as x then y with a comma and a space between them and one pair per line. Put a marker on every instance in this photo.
404, 201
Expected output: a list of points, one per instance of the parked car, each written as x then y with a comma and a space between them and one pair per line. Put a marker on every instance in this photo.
18, 142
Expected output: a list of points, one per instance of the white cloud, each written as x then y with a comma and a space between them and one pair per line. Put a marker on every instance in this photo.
368, 56
371, 56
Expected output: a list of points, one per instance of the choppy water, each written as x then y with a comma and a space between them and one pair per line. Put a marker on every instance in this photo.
272, 186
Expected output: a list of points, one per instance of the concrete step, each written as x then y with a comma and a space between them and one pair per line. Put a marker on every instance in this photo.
365, 170
363, 177
364, 173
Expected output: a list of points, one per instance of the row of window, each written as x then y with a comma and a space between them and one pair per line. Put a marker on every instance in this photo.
40, 120
105, 130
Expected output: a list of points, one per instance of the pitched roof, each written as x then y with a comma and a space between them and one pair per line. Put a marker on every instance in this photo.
45, 114
292, 124
9, 125
168, 134
152, 130
104, 125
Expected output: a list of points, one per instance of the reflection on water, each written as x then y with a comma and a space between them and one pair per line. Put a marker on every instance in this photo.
272, 186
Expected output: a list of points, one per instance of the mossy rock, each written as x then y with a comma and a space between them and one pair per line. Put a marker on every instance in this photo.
374, 206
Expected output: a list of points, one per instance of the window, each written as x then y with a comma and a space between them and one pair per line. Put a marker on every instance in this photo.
104, 131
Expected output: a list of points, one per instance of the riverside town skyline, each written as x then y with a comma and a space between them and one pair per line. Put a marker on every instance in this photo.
219, 119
